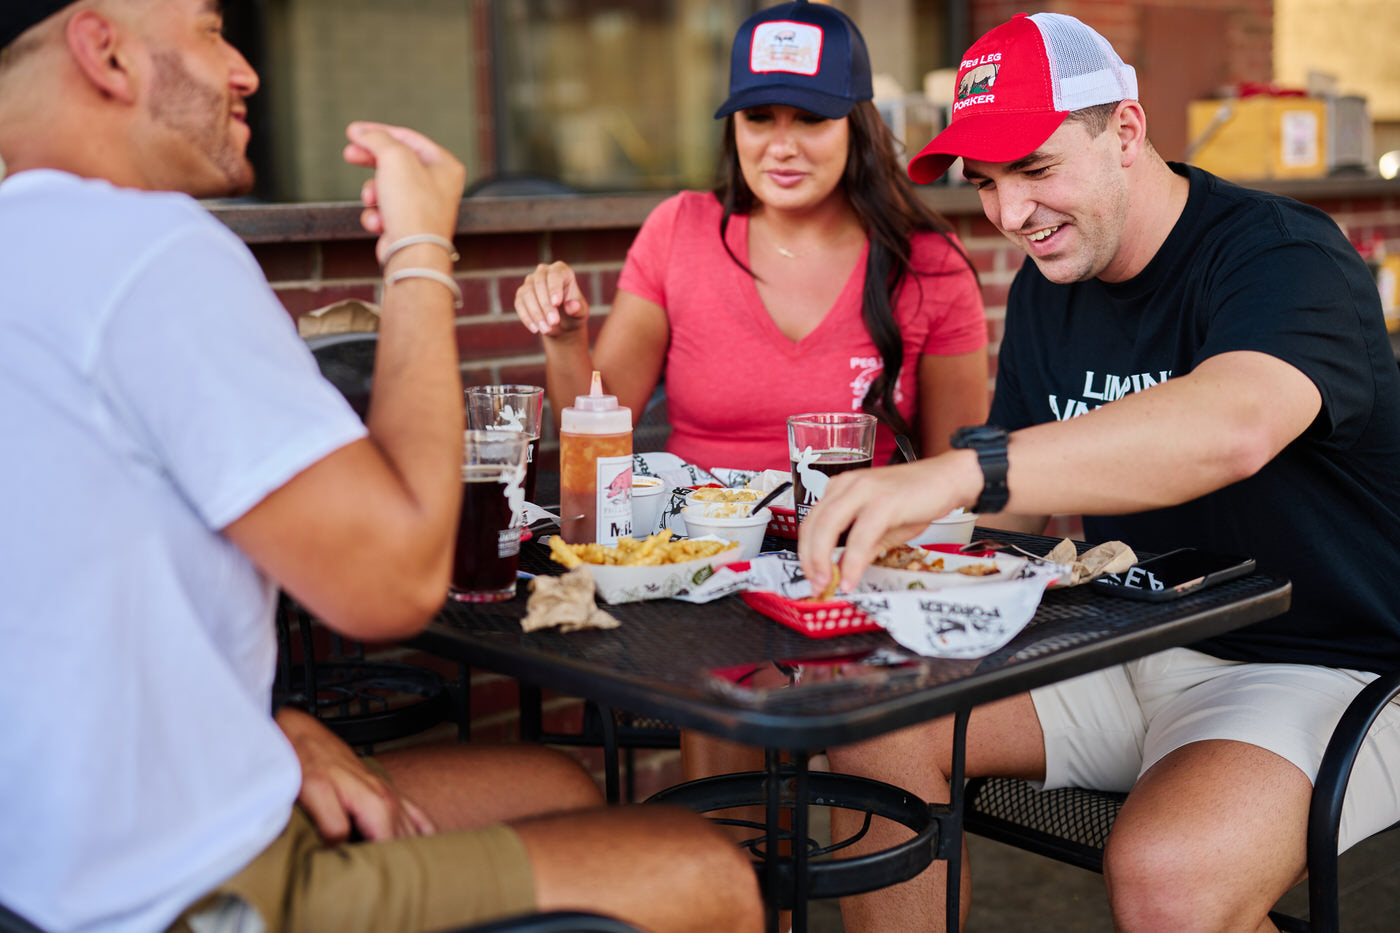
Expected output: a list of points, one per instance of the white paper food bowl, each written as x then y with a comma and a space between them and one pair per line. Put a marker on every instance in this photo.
953, 528
617, 584
746, 530
879, 579
648, 496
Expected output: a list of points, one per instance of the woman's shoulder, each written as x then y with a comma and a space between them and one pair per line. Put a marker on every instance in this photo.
701, 203
684, 208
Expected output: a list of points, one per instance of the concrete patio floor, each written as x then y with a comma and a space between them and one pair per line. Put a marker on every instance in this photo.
1016, 891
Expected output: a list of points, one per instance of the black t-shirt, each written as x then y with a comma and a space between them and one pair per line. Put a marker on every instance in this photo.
1244, 270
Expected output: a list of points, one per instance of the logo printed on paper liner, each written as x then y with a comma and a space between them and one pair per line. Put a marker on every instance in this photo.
785, 46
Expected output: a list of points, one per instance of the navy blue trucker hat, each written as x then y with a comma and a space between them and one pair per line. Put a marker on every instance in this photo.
18, 15
804, 55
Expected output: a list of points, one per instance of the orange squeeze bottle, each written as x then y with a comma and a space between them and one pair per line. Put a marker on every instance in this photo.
595, 468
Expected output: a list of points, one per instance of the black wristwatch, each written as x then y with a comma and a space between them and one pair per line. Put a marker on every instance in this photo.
990, 443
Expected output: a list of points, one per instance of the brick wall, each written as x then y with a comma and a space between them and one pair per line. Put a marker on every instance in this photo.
1249, 35
496, 348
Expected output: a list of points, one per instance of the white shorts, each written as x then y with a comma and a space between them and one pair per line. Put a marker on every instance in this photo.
1104, 729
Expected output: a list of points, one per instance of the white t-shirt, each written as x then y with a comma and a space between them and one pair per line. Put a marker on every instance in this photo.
152, 390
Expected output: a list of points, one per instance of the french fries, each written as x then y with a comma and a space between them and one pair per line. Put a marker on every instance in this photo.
829, 591
651, 551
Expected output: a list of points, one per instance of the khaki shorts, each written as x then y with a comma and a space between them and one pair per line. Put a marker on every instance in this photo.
298, 884
1104, 729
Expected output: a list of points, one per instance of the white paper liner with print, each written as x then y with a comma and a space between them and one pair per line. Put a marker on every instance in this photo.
623, 584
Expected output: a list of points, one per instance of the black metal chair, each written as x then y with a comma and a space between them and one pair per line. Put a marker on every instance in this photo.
366, 702
654, 426
1072, 825
617, 732
561, 921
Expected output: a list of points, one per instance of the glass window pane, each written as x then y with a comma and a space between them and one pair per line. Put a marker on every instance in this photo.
601, 95
612, 94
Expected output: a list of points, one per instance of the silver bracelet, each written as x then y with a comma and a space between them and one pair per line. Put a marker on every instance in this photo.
417, 272
416, 238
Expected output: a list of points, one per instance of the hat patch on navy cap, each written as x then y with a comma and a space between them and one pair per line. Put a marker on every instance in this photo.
795, 48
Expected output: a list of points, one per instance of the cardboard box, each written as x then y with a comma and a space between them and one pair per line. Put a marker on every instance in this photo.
1259, 137
1387, 272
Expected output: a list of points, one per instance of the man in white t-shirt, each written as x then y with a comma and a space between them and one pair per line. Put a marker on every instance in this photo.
172, 459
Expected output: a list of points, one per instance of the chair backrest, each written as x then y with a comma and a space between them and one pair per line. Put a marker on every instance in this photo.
347, 362
654, 426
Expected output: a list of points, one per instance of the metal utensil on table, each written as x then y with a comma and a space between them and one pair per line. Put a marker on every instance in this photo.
906, 448
553, 520
1001, 547
781, 488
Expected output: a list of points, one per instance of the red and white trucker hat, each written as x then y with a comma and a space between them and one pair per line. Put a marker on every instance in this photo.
1017, 84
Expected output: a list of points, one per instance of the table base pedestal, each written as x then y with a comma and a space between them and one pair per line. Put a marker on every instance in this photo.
805, 872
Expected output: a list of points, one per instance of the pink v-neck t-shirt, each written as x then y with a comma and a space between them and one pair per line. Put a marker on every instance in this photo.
732, 377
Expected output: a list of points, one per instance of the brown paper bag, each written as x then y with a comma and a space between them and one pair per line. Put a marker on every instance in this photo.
1109, 557
565, 602
351, 316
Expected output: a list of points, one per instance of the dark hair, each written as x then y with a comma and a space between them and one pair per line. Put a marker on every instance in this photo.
1095, 118
889, 210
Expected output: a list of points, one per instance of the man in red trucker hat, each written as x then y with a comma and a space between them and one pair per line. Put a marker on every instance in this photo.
1185, 363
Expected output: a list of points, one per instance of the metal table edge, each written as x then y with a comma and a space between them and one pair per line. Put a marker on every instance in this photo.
807, 730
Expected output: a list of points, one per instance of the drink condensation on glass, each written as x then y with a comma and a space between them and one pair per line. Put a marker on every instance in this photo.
510, 408
487, 557
823, 444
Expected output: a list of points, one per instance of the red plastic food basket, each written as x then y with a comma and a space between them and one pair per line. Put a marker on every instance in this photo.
815, 620
783, 524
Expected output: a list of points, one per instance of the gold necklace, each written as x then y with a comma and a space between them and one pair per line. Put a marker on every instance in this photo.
787, 253
790, 254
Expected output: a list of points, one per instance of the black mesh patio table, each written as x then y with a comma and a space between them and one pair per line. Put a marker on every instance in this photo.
661, 661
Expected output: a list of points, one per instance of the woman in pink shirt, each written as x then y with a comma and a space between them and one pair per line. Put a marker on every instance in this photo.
812, 279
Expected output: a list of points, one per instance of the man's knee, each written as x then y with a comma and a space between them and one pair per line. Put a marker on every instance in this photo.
1158, 879
574, 787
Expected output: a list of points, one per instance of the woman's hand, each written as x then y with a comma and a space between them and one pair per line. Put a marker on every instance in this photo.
340, 793
550, 302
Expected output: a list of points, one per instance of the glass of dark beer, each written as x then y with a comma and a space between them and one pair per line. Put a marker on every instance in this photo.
488, 535
822, 444
509, 408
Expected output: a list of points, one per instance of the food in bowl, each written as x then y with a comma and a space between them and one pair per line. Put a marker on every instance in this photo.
717, 502
721, 494
653, 550
744, 529
916, 558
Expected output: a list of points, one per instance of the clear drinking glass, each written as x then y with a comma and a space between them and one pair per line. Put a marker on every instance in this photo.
823, 444
509, 408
